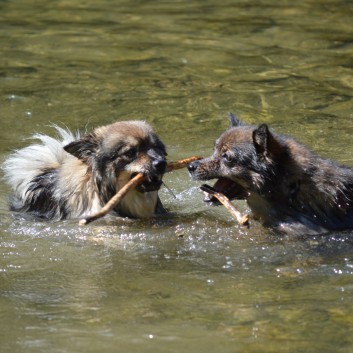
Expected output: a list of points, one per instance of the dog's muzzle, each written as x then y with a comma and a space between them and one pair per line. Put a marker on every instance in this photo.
193, 166
153, 180
223, 185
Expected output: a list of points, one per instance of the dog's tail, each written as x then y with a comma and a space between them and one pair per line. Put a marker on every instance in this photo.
25, 164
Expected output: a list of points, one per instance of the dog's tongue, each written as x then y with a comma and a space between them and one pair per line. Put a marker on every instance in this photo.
221, 185
224, 186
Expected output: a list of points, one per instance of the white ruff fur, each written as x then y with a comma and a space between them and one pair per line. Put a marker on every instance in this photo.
74, 184
27, 163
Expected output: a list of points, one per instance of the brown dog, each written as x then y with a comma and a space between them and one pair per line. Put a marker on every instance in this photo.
287, 187
75, 176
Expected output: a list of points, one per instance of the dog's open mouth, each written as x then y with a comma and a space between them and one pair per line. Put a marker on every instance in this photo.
228, 188
149, 184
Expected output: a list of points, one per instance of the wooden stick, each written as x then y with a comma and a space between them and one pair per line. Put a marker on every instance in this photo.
182, 163
135, 181
242, 219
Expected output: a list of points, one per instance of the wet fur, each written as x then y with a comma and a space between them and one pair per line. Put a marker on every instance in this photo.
74, 176
287, 186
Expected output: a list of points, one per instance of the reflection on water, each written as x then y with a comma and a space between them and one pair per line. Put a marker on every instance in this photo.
192, 281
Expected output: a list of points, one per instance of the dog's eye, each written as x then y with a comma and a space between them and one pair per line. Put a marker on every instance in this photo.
226, 156
131, 153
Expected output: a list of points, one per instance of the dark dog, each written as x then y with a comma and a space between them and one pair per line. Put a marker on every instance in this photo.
75, 176
287, 187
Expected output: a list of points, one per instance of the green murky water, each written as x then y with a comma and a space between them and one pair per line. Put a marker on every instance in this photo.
136, 286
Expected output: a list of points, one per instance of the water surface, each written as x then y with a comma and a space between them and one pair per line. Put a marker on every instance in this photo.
193, 281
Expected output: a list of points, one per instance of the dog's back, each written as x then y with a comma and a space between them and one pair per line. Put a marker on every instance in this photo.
32, 173
307, 193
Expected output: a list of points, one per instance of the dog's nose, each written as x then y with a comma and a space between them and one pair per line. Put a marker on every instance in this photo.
160, 165
193, 166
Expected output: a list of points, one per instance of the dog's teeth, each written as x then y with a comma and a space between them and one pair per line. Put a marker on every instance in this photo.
207, 196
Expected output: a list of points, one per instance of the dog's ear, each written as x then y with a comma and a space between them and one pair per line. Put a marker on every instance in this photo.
234, 121
264, 142
83, 148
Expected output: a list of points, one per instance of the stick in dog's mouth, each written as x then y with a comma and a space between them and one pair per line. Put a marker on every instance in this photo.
132, 183
148, 184
242, 219
228, 188
135, 181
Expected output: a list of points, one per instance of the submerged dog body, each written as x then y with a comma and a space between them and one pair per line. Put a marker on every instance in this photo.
75, 176
287, 186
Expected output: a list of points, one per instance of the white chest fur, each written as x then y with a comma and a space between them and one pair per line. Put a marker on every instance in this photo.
136, 204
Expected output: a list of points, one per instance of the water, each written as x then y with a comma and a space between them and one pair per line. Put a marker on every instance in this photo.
193, 281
